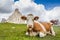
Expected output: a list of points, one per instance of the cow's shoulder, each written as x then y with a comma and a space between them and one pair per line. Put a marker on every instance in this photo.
37, 26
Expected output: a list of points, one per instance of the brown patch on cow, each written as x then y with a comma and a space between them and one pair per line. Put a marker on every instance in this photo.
30, 31
47, 26
37, 27
24, 17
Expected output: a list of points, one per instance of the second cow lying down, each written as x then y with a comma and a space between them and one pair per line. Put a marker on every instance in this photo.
37, 28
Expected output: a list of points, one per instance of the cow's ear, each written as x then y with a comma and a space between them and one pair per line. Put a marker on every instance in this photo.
36, 18
24, 17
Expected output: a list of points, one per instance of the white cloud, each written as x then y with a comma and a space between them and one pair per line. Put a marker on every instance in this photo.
6, 6
54, 13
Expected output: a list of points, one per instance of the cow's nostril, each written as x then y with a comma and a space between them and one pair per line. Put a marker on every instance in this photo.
30, 26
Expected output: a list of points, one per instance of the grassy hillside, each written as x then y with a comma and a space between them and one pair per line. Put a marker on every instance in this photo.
17, 32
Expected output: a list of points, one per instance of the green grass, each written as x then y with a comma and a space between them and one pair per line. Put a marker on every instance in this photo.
8, 32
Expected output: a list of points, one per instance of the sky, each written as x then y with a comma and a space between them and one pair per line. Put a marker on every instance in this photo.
45, 9
49, 4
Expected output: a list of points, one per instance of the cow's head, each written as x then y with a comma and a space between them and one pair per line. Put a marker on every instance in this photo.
30, 20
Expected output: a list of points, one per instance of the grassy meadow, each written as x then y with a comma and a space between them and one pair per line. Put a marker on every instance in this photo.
10, 31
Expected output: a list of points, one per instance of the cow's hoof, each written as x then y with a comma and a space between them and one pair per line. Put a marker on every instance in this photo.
26, 33
53, 34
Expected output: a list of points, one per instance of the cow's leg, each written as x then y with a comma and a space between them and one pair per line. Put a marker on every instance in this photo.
35, 33
41, 34
30, 34
48, 32
52, 31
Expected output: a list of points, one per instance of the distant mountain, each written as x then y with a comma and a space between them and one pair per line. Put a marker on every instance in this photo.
16, 17
3, 20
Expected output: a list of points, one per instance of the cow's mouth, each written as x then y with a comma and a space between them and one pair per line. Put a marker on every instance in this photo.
30, 28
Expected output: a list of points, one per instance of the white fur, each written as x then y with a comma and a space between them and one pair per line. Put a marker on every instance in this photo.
41, 26
34, 33
26, 33
53, 33
42, 34
29, 22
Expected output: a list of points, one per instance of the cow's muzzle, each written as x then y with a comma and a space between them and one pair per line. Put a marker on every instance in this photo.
29, 26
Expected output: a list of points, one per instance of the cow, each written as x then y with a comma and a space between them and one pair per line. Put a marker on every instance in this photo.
35, 28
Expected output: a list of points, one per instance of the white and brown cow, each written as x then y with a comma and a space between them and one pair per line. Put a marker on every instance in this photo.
37, 28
